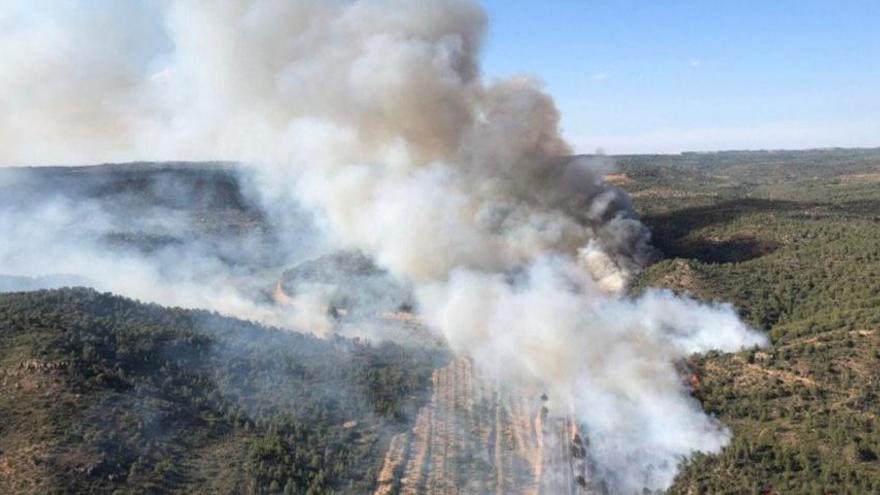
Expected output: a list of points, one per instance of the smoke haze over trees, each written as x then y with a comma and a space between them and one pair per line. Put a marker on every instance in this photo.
370, 120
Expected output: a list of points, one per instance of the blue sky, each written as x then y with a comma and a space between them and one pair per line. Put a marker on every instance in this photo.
668, 76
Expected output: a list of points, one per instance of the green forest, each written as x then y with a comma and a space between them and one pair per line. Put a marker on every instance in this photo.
104, 394
792, 239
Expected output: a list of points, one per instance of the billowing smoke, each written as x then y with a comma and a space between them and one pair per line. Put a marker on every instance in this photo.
374, 115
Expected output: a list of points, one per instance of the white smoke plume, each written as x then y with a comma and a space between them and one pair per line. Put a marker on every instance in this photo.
58, 239
374, 115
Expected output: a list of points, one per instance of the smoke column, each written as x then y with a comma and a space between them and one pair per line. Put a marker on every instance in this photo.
374, 115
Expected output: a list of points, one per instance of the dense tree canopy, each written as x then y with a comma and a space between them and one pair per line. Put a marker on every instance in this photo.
151, 398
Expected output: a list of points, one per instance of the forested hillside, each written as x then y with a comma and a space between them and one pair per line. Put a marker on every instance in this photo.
792, 239
99, 393
102, 394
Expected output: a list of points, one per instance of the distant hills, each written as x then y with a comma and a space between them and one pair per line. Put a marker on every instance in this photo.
103, 394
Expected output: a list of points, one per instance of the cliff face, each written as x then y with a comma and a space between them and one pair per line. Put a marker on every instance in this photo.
480, 437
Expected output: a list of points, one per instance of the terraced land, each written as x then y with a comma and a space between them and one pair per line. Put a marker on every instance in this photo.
478, 436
